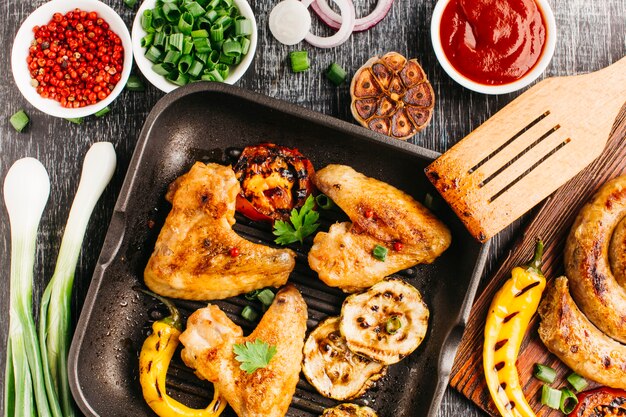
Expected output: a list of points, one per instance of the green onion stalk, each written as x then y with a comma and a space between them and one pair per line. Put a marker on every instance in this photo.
55, 314
26, 191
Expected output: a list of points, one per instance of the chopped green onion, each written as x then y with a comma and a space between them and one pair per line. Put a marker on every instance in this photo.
223, 70
19, 120
172, 57
196, 39
185, 23
568, 401
160, 39
202, 45
195, 69
184, 63
178, 78
577, 382
551, 397
393, 325
176, 40
154, 54
75, 120
249, 313
102, 112
187, 45
544, 373
226, 59
200, 33
146, 20
146, 41
380, 253
252, 295
217, 33
171, 12
163, 68
231, 48
299, 61
195, 9
224, 21
243, 27
266, 297
130, 3
245, 45
211, 15
336, 74
324, 202
134, 83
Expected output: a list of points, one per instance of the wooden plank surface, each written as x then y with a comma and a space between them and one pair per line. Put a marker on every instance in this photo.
591, 36
552, 223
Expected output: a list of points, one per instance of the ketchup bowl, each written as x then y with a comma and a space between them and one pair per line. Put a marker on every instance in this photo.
481, 60
28, 85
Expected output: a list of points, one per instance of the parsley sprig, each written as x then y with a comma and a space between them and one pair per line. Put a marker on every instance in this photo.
303, 223
254, 355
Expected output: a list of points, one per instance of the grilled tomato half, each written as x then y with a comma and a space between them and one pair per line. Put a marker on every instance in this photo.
274, 180
391, 95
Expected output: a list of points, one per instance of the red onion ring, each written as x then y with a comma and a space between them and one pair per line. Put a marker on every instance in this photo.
348, 18
332, 19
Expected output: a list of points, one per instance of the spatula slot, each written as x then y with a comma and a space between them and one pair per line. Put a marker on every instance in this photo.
519, 155
508, 142
529, 170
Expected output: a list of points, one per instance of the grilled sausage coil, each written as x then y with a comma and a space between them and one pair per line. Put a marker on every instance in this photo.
594, 287
568, 334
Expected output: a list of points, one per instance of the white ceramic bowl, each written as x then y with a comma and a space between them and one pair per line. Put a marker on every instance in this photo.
528, 78
159, 81
25, 36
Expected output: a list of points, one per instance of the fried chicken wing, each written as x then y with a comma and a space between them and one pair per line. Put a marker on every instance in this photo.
209, 340
198, 256
381, 215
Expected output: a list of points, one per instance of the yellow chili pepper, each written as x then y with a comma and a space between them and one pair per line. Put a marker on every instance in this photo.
154, 360
509, 315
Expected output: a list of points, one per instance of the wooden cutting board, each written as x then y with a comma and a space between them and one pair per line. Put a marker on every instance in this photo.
552, 223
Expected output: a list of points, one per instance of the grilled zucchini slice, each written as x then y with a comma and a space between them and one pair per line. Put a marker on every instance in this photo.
332, 368
349, 410
386, 323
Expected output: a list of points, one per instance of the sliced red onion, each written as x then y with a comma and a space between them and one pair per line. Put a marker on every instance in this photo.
332, 19
289, 22
348, 18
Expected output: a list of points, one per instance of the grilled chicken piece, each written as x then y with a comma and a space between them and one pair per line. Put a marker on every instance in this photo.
381, 215
209, 340
197, 255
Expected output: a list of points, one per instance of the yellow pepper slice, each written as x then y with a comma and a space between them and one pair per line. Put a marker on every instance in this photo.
154, 360
509, 315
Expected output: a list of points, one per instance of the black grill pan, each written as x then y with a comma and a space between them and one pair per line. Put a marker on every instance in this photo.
209, 122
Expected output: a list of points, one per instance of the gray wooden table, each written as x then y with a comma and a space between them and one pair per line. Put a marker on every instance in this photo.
592, 34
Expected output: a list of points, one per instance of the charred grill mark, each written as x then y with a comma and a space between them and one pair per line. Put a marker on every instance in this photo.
510, 405
510, 316
606, 362
158, 389
149, 366
503, 386
217, 405
499, 366
590, 264
499, 344
527, 288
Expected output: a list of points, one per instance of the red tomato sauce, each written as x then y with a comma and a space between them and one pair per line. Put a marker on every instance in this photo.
493, 42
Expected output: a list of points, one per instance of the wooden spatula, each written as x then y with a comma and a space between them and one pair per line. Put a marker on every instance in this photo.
529, 148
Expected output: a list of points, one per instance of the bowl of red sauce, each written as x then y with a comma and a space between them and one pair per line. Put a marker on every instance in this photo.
72, 58
493, 46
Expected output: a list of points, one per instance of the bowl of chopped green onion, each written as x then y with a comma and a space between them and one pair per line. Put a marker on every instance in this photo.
178, 42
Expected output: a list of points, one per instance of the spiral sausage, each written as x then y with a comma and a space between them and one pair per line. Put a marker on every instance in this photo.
568, 334
594, 286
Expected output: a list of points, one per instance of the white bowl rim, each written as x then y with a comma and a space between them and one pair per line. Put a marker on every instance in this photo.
145, 66
24, 37
529, 77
